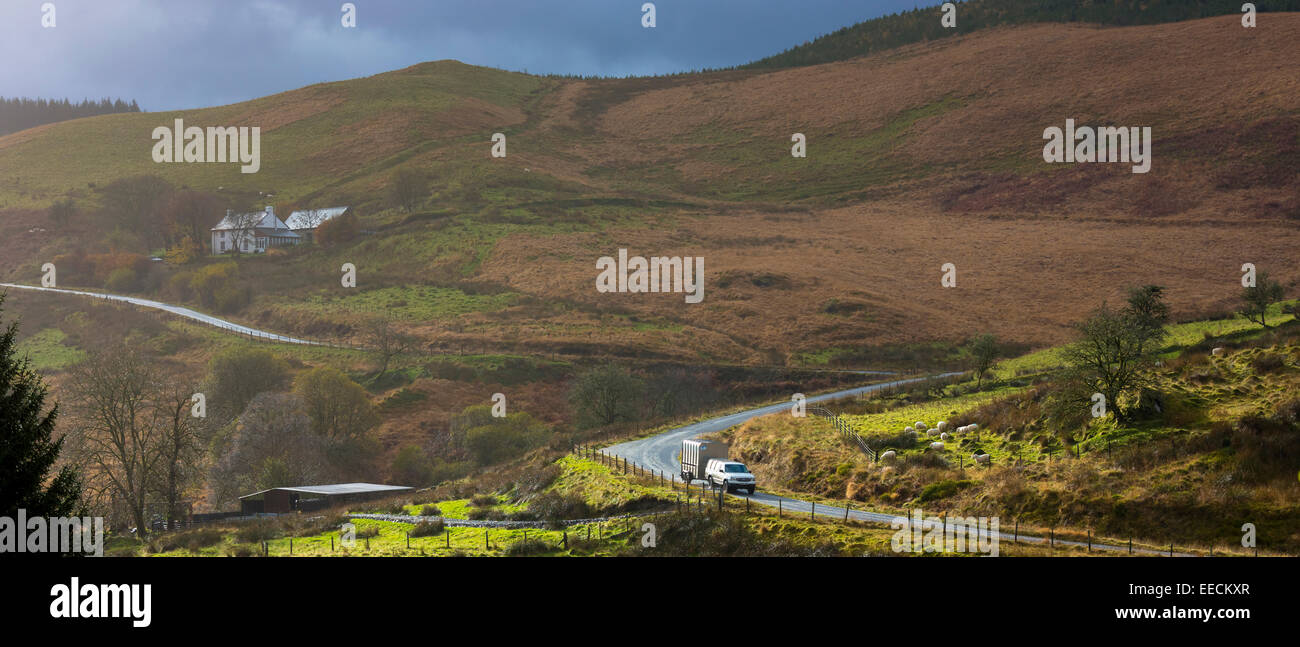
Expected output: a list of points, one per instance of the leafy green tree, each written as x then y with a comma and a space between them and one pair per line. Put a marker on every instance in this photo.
28, 448
1147, 306
502, 439
339, 408
983, 351
237, 375
1256, 300
1115, 349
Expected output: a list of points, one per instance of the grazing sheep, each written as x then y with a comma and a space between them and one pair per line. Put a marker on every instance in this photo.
908, 430
942, 426
1217, 352
932, 432
889, 455
981, 458
920, 426
936, 445
972, 427
943, 435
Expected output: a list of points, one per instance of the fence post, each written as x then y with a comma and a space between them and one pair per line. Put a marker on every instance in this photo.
778, 508
812, 512
449, 538
846, 512
1016, 537
1090, 541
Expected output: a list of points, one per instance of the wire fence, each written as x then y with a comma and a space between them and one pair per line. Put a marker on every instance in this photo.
707, 498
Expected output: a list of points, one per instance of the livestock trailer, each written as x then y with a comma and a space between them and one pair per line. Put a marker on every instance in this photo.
696, 454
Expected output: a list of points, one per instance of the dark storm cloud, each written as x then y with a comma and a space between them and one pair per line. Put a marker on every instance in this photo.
189, 53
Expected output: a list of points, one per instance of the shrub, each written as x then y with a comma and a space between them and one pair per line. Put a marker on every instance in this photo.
1267, 362
483, 501
430, 511
257, 532
191, 540
241, 550
428, 528
555, 507
944, 489
121, 279
530, 547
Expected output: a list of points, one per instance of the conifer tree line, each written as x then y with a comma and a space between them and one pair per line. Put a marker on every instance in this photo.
21, 113
922, 24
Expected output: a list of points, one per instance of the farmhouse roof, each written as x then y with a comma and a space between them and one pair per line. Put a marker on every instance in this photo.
313, 218
336, 489
234, 221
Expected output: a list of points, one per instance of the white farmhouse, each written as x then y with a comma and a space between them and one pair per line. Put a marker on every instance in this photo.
251, 233
304, 223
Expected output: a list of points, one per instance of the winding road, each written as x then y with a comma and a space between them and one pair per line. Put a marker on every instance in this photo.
176, 310
660, 453
655, 452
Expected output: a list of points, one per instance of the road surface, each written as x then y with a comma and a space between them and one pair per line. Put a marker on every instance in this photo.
176, 310
660, 453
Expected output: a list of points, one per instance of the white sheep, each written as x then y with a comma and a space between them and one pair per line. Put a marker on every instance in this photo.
942, 426
932, 432
889, 455
908, 430
972, 427
936, 445
981, 458
943, 435
920, 426
1217, 352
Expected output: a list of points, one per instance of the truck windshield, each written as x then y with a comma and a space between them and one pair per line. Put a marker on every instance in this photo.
735, 467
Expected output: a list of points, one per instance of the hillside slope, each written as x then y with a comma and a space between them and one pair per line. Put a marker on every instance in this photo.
919, 156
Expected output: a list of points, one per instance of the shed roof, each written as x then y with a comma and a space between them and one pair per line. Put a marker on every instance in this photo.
335, 489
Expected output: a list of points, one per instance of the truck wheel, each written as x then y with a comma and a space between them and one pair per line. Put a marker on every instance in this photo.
749, 490
726, 487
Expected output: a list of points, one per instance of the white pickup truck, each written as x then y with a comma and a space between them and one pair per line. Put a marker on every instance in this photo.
729, 475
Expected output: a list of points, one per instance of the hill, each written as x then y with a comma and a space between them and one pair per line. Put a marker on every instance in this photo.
918, 156
920, 25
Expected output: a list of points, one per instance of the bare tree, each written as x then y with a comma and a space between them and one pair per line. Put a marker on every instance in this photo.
245, 228
272, 446
121, 434
388, 342
409, 189
181, 446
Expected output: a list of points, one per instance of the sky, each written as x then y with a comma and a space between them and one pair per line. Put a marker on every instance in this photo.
178, 54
